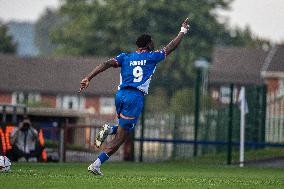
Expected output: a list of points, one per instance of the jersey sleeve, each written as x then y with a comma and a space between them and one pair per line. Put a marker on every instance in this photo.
159, 55
119, 59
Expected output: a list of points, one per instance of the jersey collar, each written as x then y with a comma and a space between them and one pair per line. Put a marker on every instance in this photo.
141, 50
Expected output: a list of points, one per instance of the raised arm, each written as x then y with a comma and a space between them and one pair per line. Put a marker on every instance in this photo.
176, 41
98, 69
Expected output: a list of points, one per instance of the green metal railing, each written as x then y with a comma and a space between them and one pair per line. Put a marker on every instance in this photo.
169, 136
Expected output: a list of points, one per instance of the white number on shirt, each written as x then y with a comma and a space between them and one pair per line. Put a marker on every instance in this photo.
138, 74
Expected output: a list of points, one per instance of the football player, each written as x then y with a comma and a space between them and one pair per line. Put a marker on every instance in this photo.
137, 69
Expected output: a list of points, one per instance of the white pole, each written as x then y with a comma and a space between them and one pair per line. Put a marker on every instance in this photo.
242, 126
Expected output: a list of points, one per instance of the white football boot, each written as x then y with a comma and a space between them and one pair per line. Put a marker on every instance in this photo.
102, 135
95, 170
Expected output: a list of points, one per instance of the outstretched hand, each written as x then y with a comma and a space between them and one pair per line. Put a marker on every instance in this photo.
176, 41
84, 84
184, 26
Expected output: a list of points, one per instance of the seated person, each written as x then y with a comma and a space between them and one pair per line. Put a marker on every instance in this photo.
24, 141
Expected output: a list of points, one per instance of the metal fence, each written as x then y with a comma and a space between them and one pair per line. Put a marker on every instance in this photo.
74, 143
175, 136
275, 118
169, 137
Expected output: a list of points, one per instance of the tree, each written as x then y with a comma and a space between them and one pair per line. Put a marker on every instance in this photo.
240, 38
91, 26
182, 102
158, 101
6, 42
105, 28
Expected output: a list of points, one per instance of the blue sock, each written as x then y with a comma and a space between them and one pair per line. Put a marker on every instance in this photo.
113, 130
103, 157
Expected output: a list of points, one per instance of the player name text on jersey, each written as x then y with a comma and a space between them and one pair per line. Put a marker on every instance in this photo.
137, 63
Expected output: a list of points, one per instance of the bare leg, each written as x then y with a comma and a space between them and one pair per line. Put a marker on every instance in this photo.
108, 150
115, 143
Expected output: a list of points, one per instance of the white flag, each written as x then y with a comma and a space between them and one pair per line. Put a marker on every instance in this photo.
242, 98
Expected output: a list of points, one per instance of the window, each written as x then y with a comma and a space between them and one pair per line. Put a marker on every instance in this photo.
107, 105
225, 94
70, 102
215, 94
25, 98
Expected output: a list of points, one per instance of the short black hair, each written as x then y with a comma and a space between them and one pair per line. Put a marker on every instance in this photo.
143, 40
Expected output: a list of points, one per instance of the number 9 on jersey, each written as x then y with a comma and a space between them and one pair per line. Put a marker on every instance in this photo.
138, 74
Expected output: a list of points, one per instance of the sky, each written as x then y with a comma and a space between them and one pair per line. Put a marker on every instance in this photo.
264, 17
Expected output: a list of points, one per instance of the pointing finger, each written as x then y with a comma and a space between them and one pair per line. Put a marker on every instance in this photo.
186, 20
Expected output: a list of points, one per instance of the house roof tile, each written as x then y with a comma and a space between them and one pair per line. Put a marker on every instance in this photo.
237, 65
277, 61
54, 75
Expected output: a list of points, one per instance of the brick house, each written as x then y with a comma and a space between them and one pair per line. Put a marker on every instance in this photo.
273, 75
273, 71
51, 85
240, 66
250, 67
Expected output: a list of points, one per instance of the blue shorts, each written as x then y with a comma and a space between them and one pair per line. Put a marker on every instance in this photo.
129, 104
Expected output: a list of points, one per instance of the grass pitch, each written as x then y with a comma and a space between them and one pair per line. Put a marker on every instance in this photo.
140, 175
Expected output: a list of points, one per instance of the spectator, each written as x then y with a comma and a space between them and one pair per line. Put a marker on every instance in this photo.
24, 141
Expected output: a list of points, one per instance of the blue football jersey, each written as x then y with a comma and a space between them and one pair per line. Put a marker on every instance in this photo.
138, 67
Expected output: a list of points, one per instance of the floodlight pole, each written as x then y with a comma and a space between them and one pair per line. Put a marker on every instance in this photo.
200, 64
230, 129
263, 113
197, 109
